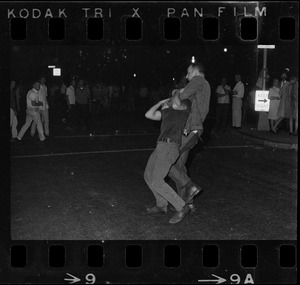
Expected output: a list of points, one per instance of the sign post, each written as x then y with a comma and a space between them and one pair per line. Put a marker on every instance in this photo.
262, 103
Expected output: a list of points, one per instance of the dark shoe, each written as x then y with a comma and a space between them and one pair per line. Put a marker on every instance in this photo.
19, 141
192, 208
156, 209
179, 215
172, 208
191, 192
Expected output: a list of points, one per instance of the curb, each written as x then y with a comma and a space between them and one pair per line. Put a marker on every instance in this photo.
269, 143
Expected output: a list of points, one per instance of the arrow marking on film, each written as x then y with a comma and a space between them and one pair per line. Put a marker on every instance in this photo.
73, 280
218, 281
263, 101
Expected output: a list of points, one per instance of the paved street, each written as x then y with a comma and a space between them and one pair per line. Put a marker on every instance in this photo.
92, 188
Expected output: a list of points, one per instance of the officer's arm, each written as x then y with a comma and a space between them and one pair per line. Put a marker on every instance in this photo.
190, 89
177, 104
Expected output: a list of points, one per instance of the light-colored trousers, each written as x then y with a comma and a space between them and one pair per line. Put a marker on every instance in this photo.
237, 112
32, 115
45, 122
158, 166
13, 123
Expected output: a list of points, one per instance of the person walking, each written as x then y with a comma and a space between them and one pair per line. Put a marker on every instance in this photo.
173, 114
43, 109
198, 91
237, 97
32, 112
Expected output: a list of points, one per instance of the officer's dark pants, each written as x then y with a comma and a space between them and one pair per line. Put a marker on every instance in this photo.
178, 171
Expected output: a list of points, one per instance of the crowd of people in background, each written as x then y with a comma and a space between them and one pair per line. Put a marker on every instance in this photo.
283, 95
76, 101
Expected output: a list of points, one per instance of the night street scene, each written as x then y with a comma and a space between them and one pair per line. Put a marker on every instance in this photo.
95, 159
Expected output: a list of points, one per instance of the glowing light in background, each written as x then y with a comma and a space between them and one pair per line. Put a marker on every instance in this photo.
56, 72
193, 59
225, 49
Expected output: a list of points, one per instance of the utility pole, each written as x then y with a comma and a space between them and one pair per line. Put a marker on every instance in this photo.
263, 122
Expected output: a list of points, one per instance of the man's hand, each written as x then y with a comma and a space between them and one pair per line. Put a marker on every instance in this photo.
164, 101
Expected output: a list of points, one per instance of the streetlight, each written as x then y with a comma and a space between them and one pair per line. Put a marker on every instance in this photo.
193, 59
225, 49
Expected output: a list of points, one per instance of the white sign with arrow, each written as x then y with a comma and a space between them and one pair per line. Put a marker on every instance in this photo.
219, 280
262, 102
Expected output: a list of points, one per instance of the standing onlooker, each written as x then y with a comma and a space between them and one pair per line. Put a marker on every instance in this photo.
143, 97
33, 113
70, 96
294, 97
53, 95
123, 96
285, 107
114, 95
62, 101
13, 110
82, 95
96, 95
105, 99
42, 94
18, 97
237, 96
274, 97
223, 104
131, 98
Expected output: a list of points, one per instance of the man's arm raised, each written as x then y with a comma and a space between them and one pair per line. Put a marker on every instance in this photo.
153, 113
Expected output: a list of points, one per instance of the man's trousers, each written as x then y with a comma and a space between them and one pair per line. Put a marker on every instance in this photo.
32, 115
45, 122
237, 112
158, 166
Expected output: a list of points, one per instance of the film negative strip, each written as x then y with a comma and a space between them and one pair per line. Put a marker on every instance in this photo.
147, 42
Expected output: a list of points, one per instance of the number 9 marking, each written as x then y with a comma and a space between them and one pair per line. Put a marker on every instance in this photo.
235, 278
90, 278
